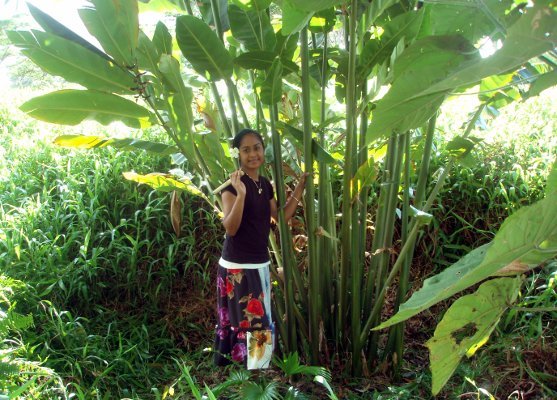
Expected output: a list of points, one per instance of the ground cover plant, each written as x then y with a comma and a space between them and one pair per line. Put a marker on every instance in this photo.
145, 270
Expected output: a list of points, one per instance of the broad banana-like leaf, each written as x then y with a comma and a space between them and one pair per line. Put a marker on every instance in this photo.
530, 36
473, 19
377, 51
252, 29
181, 102
460, 147
467, 325
72, 61
165, 183
132, 144
542, 82
162, 39
203, 49
50, 25
533, 34
527, 238
378, 7
253, 5
70, 107
211, 150
551, 185
115, 24
271, 91
319, 153
421, 65
294, 19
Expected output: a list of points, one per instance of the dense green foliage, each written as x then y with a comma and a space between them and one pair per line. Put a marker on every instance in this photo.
121, 307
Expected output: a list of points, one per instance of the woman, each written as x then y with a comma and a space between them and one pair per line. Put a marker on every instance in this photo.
245, 329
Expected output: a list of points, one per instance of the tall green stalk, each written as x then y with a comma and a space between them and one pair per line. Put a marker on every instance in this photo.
314, 291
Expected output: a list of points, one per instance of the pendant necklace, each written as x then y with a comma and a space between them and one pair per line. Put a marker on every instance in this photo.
259, 188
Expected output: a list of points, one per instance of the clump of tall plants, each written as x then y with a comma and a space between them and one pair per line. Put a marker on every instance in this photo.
284, 69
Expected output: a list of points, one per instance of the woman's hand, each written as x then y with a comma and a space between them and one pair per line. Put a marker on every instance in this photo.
237, 182
302, 180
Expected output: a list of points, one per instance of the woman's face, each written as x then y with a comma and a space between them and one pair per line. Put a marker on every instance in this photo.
252, 154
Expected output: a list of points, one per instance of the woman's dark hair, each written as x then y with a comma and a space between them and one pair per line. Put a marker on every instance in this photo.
240, 135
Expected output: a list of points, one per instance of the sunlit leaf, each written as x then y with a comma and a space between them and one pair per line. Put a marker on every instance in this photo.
72, 61
252, 29
271, 90
115, 24
202, 48
529, 237
467, 325
95, 142
70, 107
543, 82
164, 183
293, 19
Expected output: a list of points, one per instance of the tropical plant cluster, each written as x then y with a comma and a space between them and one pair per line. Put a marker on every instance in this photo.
348, 92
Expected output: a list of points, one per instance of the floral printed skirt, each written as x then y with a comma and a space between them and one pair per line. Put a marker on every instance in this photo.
245, 330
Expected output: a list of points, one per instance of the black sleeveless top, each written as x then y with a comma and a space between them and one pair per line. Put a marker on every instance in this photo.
250, 243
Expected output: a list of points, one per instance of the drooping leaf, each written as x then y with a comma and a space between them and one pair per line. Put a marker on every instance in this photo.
160, 5
165, 183
50, 25
252, 29
203, 49
115, 24
467, 325
132, 144
528, 237
176, 212
70, 107
421, 65
533, 34
473, 19
543, 82
460, 147
73, 62
293, 19
271, 90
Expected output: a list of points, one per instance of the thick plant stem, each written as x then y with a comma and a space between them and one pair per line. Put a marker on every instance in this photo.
285, 238
314, 291
215, 8
240, 106
416, 225
232, 105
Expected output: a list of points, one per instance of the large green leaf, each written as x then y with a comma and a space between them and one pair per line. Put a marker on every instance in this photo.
473, 19
70, 107
533, 34
132, 144
147, 54
378, 50
551, 185
255, 5
203, 49
467, 325
162, 39
421, 65
417, 91
115, 25
293, 19
251, 28
71, 61
323, 21
160, 5
165, 183
181, 101
378, 7
271, 90
526, 238
49, 24
263, 60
